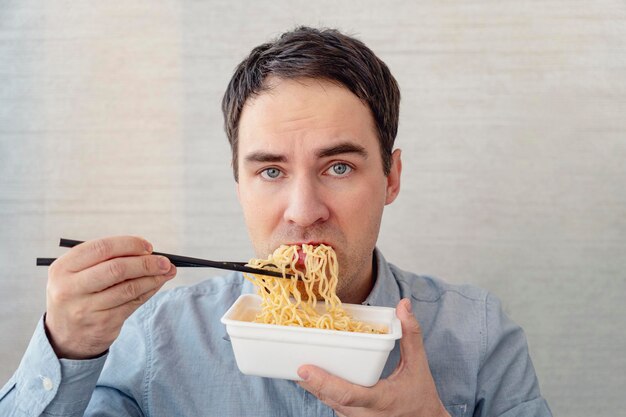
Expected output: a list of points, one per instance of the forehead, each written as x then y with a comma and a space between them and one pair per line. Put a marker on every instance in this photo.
304, 111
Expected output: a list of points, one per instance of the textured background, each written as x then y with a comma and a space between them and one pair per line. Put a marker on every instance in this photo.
513, 130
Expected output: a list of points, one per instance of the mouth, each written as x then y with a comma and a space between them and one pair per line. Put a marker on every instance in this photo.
310, 243
301, 255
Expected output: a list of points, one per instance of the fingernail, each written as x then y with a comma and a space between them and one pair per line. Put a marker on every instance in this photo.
407, 306
164, 264
148, 246
304, 374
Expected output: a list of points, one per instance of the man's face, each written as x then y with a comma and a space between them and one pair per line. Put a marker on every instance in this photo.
310, 171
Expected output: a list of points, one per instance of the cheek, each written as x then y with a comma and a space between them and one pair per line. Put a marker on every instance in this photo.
257, 210
249, 204
359, 210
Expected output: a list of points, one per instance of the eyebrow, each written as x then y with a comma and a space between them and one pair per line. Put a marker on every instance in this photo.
341, 148
265, 157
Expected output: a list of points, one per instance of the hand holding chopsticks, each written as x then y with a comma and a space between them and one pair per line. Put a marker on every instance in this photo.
180, 261
97, 285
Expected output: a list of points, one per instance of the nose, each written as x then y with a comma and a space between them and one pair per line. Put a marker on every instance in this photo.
306, 205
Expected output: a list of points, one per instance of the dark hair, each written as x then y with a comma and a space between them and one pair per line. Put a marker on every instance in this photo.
323, 54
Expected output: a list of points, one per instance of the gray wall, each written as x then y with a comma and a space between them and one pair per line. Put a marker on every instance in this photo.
512, 128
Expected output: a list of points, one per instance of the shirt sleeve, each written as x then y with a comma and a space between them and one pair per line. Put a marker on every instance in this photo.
121, 388
45, 385
507, 383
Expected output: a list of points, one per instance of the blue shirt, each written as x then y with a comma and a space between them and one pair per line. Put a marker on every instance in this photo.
174, 358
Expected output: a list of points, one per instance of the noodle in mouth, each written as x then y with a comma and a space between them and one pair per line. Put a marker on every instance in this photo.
284, 304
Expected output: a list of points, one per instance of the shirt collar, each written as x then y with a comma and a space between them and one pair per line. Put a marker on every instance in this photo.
385, 292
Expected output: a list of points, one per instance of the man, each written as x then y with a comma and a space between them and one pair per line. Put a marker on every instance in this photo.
311, 118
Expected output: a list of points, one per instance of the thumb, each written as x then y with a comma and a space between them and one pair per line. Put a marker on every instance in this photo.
411, 343
332, 390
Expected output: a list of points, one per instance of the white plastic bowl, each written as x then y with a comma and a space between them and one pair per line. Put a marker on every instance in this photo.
274, 351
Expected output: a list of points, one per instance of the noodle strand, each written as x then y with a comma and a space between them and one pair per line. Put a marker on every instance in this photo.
282, 302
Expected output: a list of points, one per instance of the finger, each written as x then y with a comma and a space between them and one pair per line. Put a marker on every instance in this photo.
411, 343
335, 391
93, 252
111, 272
111, 321
131, 290
125, 310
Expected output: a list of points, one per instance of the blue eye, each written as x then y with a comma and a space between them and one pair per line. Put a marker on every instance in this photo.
339, 169
271, 173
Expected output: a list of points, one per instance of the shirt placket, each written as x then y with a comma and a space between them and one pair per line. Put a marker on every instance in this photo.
312, 407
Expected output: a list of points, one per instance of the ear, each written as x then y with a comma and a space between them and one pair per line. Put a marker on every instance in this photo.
393, 179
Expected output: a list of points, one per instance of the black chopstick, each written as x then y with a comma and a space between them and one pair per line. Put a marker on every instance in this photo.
181, 261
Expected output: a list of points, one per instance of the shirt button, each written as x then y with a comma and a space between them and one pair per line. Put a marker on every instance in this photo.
47, 383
